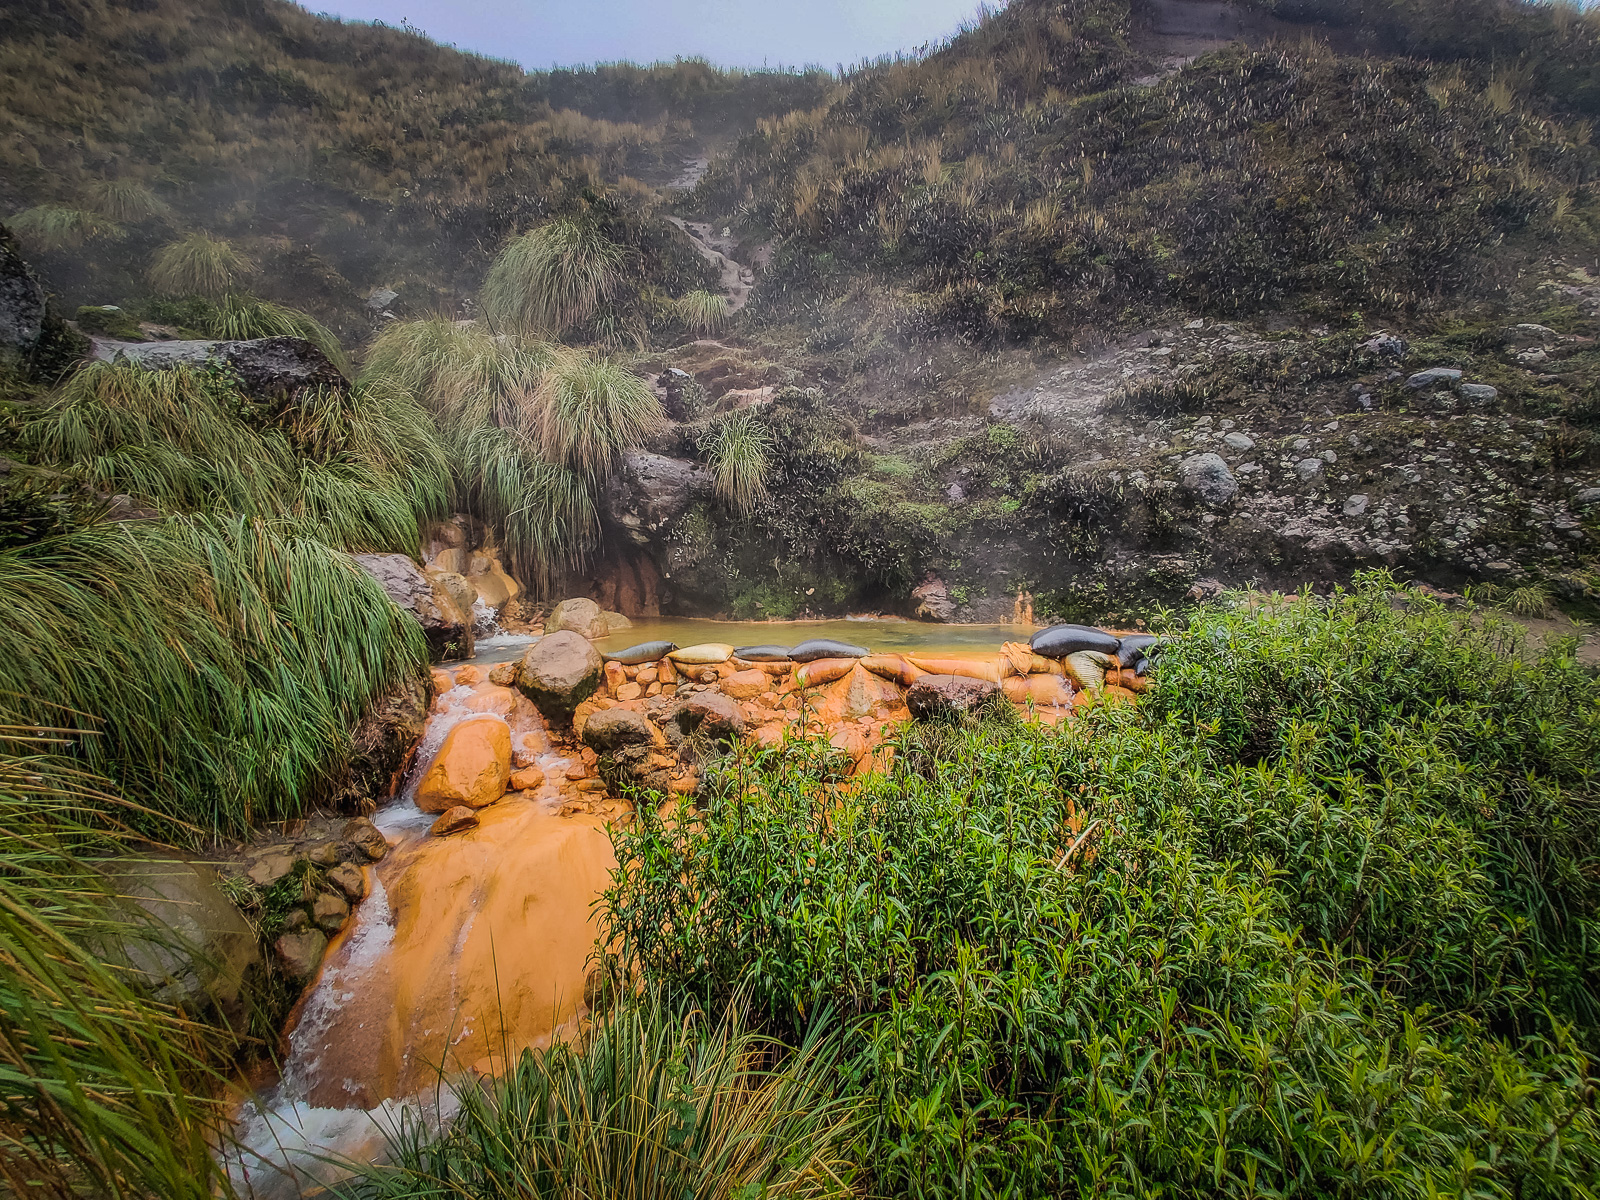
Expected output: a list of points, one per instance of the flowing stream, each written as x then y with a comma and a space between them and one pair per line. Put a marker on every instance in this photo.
470, 948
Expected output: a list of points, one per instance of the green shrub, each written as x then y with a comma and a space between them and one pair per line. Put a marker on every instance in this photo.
1319, 918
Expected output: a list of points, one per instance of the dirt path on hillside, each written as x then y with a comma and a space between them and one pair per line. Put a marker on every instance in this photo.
736, 278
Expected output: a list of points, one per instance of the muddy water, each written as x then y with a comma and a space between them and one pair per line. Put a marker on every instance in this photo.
466, 950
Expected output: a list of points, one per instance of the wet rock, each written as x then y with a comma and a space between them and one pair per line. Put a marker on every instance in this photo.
471, 769
462, 594
206, 947
746, 685
446, 625
270, 868
503, 674
276, 368
454, 820
384, 745
330, 912
300, 953
560, 672
947, 697
350, 881
363, 836
650, 490
1434, 377
579, 615
1208, 477
932, 601
611, 730
22, 301
711, 714
526, 779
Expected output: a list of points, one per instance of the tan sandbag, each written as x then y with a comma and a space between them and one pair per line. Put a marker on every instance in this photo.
1038, 664
824, 670
965, 668
1049, 691
706, 654
893, 667
1087, 668
1015, 658
1015, 688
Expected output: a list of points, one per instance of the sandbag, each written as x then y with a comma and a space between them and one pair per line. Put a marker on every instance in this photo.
893, 667
704, 655
818, 648
644, 652
1135, 647
1087, 668
962, 667
824, 670
761, 654
1058, 641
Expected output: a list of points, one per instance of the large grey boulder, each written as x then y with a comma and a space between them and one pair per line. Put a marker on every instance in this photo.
579, 615
1207, 477
447, 627
200, 949
22, 301
651, 489
268, 368
933, 601
559, 672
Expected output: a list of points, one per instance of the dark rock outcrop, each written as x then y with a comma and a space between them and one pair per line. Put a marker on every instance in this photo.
447, 627
652, 489
22, 301
710, 714
275, 368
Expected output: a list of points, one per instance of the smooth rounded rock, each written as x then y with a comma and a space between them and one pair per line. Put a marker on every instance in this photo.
1058, 641
558, 673
300, 953
609, 731
709, 713
1208, 477
746, 685
455, 820
471, 769
579, 615
815, 648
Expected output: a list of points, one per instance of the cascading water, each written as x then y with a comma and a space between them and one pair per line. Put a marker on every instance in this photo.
466, 950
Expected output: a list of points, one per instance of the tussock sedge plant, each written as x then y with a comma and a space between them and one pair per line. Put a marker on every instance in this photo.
240, 318
1319, 918
198, 265
52, 227
126, 201
656, 1102
215, 666
552, 279
738, 450
533, 429
357, 470
703, 313
98, 1082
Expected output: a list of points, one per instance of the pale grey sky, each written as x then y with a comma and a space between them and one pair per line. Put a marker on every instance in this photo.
745, 33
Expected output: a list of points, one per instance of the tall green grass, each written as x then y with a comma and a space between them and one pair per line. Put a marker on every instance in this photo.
53, 227
240, 317
703, 313
533, 430
657, 1102
551, 279
1321, 917
199, 265
98, 1084
214, 666
359, 470
738, 449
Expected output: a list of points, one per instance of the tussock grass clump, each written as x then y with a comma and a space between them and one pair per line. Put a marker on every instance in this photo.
703, 313
198, 265
657, 1101
97, 1081
54, 227
1319, 917
738, 450
588, 412
551, 279
126, 201
240, 318
360, 470
215, 667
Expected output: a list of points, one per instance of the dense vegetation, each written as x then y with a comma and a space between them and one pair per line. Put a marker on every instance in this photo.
1319, 920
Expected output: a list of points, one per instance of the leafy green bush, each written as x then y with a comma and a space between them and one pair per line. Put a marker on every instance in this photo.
1319, 918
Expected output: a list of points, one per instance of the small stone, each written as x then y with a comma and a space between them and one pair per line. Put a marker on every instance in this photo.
616, 677
296, 918
1433, 377
503, 674
330, 912
266, 871
527, 779
1355, 506
1239, 441
300, 953
1477, 393
592, 785
1208, 477
468, 676
1585, 497
629, 691
646, 675
456, 820
366, 837
576, 772
323, 854
746, 685
348, 878
1308, 469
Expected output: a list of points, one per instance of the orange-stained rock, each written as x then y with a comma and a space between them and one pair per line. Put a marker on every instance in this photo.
629, 691
616, 677
723, 669
1134, 683
706, 675
859, 693
526, 779
468, 676
770, 735
769, 700
588, 755
877, 761
577, 771
850, 740
666, 672
487, 698
682, 785
669, 689
1118, 695
472, 767
524, 751
647, 675
503, 674
455, 820
592, 785
581, 715
631, 670
653, 690
1048, 690
442, 681
657, 761
745, 685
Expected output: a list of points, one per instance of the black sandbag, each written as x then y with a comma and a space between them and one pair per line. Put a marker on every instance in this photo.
1135, 647
826, 648
1061, 640
642, 653
763, 653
